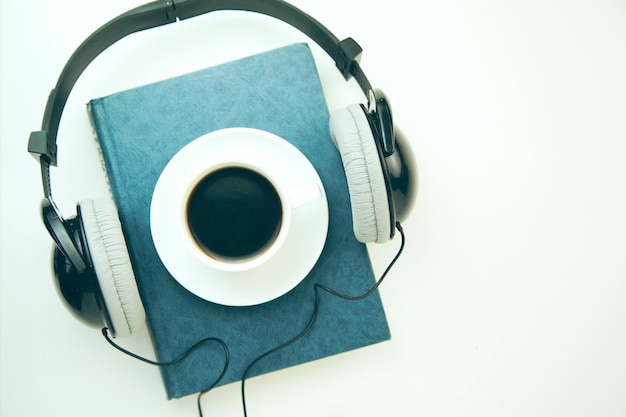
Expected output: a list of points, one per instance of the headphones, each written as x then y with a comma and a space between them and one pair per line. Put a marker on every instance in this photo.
90, 259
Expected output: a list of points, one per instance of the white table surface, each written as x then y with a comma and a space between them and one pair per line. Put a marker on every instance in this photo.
511, 297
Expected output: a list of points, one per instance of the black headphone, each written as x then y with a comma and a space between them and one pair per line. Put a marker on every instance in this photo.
90, 260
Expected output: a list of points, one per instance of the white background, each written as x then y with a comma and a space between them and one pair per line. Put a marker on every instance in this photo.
511, 297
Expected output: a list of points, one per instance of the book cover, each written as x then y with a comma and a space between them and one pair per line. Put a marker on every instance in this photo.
141, 129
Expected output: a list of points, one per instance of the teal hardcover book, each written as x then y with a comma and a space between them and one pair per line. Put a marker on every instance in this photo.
141, 129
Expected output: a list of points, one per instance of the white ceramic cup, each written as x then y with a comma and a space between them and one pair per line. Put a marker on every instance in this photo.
236, 215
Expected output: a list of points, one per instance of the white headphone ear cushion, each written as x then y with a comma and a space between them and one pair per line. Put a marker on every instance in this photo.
353, 137
109, 255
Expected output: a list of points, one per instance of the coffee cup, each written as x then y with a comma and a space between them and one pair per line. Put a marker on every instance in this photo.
236, 215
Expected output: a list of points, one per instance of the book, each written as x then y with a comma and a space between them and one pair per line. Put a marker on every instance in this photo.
139, 130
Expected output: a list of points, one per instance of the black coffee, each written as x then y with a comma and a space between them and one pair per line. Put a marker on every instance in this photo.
234, 213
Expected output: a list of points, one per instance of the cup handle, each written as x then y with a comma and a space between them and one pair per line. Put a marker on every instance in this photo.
303, 195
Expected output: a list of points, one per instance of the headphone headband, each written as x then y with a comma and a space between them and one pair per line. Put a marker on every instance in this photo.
42, 144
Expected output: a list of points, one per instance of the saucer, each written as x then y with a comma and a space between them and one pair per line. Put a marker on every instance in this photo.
304, 239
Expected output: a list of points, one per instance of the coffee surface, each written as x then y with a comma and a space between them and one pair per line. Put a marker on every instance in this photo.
234, 214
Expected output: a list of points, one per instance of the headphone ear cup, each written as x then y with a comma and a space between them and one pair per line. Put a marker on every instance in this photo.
352, 135
111, 262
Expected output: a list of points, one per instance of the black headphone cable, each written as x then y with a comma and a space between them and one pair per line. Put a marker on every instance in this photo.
105, 333
317, 287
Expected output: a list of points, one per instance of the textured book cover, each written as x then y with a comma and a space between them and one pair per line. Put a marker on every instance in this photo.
140, 130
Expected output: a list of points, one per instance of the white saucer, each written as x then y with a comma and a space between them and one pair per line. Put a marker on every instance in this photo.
304, 240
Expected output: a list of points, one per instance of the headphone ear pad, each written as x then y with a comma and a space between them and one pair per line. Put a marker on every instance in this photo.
352, 135
111, 262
